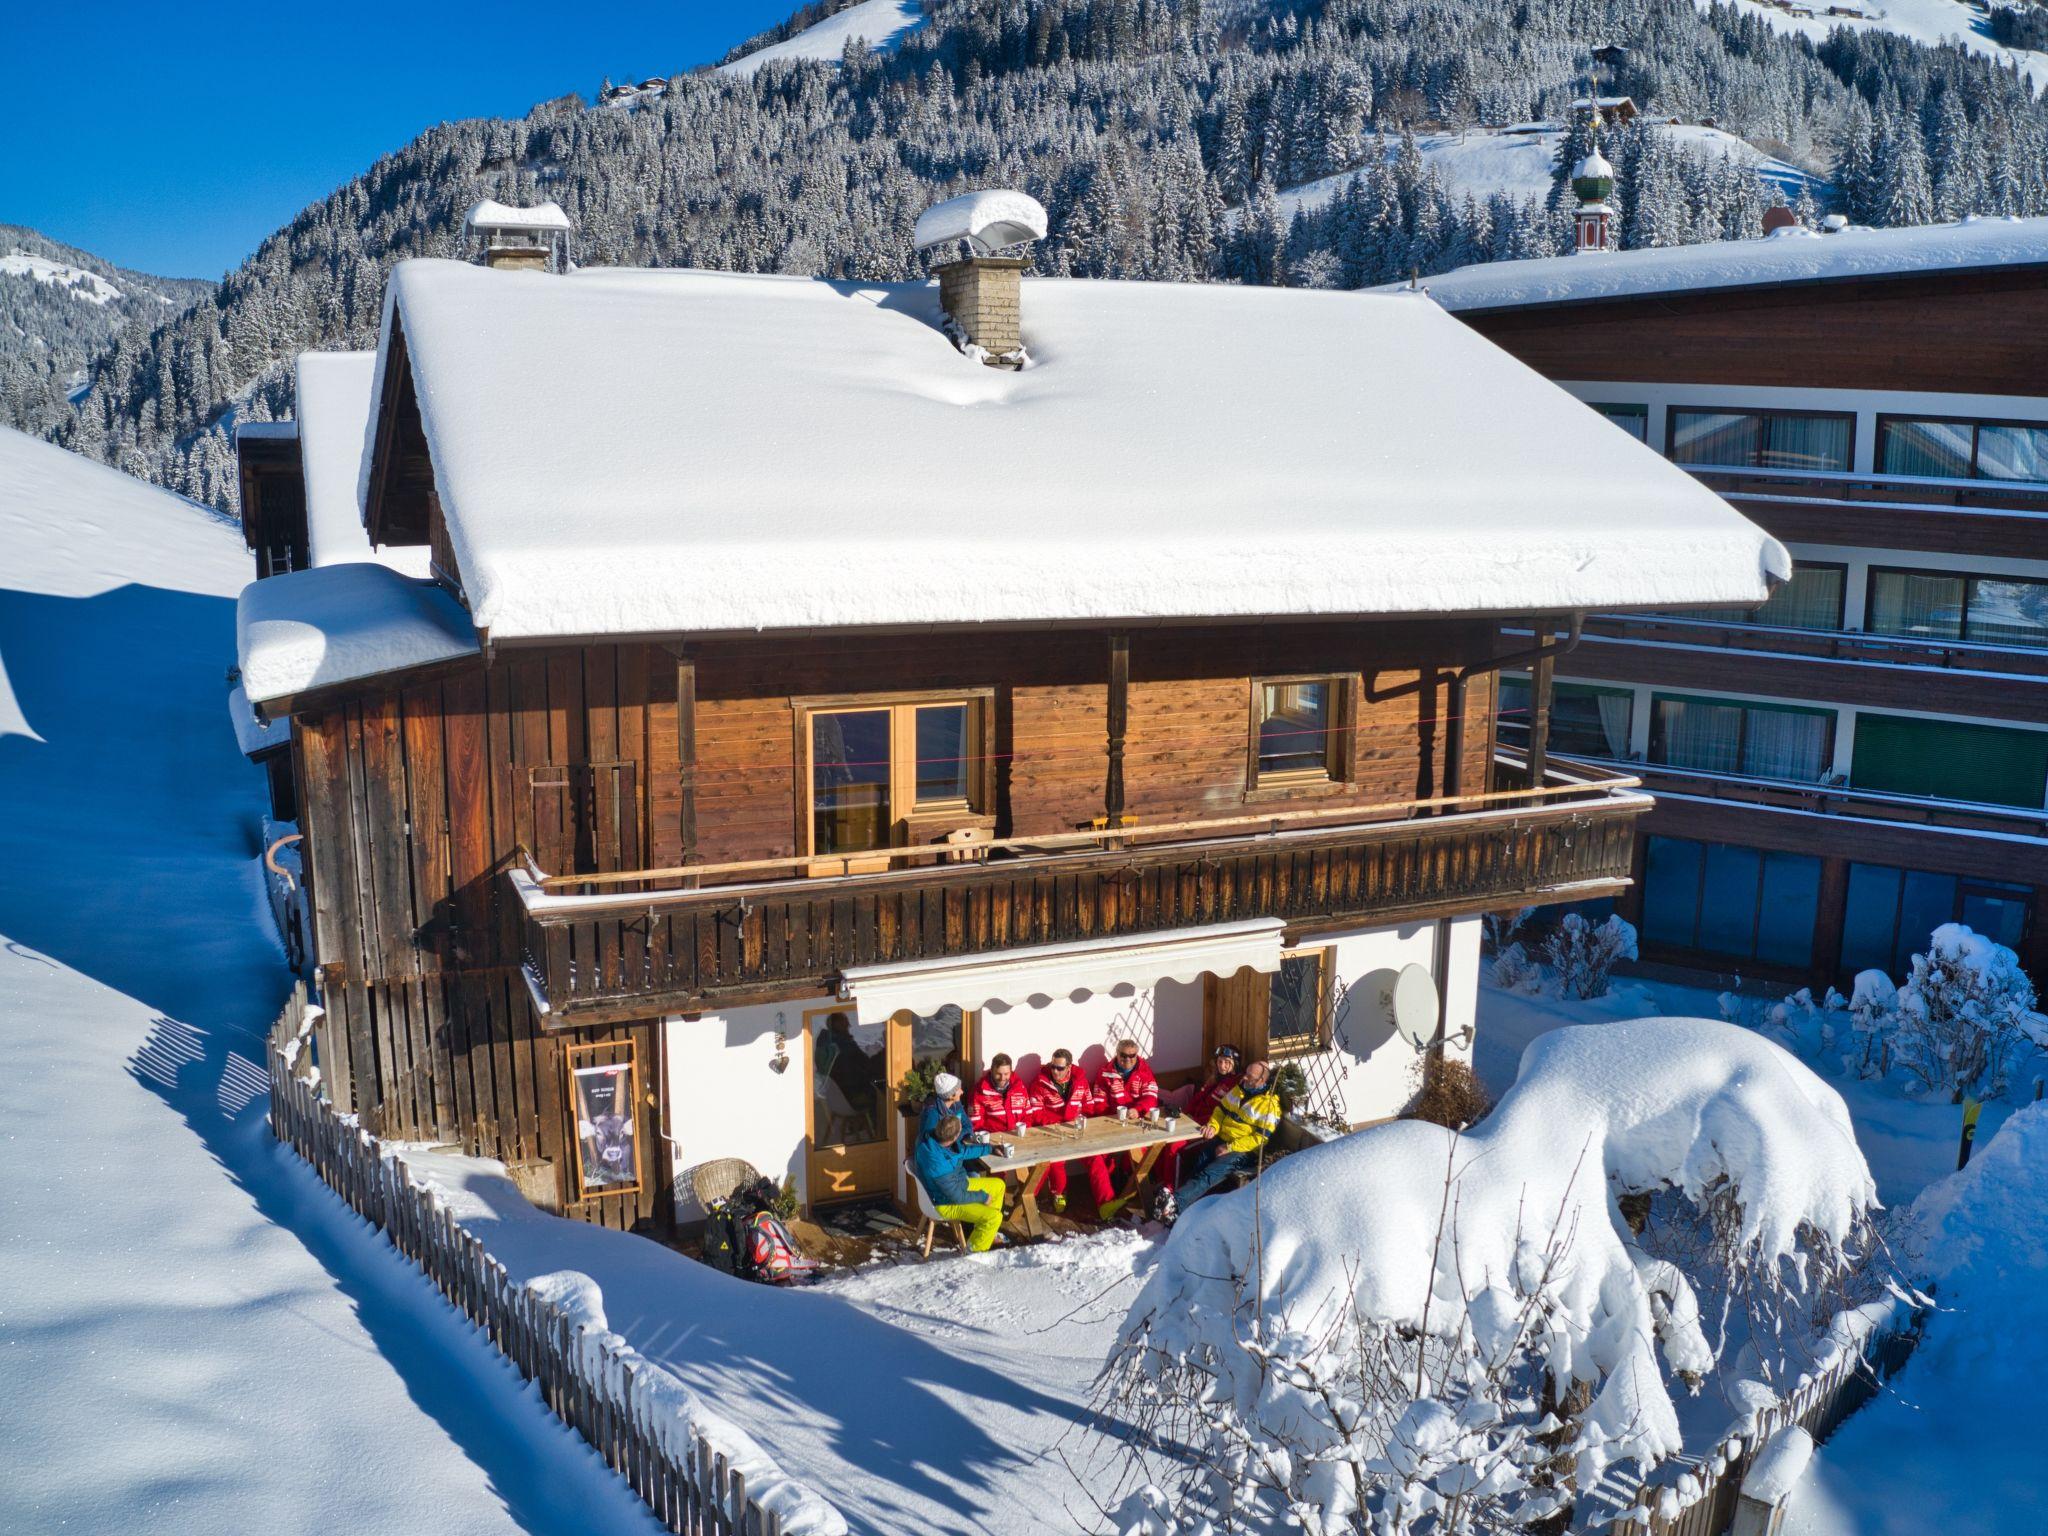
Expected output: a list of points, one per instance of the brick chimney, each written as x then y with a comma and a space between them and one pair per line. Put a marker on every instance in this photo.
982, 290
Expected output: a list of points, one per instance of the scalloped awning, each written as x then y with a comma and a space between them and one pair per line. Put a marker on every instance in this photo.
1035, 977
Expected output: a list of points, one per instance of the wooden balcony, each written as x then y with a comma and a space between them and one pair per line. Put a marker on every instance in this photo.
1964, 517
598, 954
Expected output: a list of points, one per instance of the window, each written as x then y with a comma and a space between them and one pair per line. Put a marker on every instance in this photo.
1950, 759
1890, 913
1948, 605
1812, 599
1762, 439
1297, 1019
871, 765
1742, 903
1298, 729
1962, 450
1584, 721
1765, 741
1632, 419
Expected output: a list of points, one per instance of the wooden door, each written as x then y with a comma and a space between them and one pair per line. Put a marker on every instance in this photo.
944, 1039
1235, 1011
851, 1110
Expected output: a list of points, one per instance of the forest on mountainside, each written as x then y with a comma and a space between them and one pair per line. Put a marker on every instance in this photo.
1157, 133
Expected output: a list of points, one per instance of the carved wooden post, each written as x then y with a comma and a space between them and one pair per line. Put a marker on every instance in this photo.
1539, 721
686, 753
1119, 719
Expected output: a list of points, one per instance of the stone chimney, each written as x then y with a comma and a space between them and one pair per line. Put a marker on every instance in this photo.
982, 290
519, 239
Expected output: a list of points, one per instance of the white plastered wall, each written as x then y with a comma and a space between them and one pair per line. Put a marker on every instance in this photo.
726, 1099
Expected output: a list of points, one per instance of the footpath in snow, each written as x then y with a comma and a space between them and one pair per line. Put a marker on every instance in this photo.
195, 1335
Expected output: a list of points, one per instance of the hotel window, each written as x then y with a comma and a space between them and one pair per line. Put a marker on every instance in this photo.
1765, 741
872, 764
1584, 721
1890, 914
1949, 605
1298, 729
1962, 450
1745, 903
1812, 599
1632, 419
1949, 759
1813, 440
1298, 1016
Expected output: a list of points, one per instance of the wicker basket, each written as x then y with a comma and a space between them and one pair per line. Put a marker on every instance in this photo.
720, 1178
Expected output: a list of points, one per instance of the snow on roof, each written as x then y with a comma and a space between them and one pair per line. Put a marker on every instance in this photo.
491, 214
883, 23
1745, 263
334, 391
274, 430
342, 624
720, 452
990, 219
255, 736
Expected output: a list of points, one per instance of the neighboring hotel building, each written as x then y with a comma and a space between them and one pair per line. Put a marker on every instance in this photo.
1866, 755
793, 702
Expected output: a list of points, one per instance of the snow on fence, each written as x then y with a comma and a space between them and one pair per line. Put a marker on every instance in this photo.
639, 1417
1817, 1405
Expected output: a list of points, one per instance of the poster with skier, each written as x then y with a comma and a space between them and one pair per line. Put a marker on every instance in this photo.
607, 1143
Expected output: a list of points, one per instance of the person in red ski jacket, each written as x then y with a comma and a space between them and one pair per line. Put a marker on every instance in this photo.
1063, 1096
1002, 1100
1126, 1083
1225, 1067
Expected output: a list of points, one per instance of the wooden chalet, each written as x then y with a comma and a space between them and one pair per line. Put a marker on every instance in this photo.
796, 704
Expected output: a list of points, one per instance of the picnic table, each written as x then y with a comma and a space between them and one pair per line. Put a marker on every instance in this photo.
1039, 1147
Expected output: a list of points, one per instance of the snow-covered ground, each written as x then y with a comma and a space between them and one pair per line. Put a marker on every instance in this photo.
1484, 161
1925, 21
89, 286
884, 23
195, 1335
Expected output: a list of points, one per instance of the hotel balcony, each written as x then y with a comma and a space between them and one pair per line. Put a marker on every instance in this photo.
1951, 516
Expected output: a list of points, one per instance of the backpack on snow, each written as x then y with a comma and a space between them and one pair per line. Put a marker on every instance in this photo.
725, 1240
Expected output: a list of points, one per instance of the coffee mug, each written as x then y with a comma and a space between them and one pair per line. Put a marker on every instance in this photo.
1122, 1113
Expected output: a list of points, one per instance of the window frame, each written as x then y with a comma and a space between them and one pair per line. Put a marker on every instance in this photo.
1976, 424
1761, 413
1337, 751
1962, 888
1746, 706
1615, 411
1969, 579
903, 802
1319, 1037
1763, 856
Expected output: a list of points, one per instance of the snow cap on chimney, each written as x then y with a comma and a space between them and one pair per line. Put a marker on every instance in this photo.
980, 290
521, 239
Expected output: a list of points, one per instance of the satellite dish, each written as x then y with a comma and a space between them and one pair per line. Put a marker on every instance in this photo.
1412, 1005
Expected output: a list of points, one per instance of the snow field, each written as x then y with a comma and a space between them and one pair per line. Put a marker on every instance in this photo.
884, 23
81, 284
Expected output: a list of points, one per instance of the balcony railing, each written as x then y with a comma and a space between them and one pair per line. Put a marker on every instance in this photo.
1936, 492
1981, 517
595, 953
1826, 644
2006, 821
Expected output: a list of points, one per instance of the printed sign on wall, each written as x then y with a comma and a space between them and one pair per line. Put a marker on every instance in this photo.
603, 1096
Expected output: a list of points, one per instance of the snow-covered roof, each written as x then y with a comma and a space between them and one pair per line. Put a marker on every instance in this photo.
342, 624
1791, 257
333, 392
491, 214
718, 452
276, 431
990, 220
255, 736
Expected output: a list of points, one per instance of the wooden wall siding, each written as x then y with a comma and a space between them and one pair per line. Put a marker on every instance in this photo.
682, 952
1873, 685
1968, 332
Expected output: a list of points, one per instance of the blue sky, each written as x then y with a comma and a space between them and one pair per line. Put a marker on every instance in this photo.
173, 138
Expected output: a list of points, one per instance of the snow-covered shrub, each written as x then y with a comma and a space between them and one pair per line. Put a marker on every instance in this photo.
1584, 956
1873, 1001
1448, 1093
1499, 929
1514, 971
1961, 1015
1411, 1330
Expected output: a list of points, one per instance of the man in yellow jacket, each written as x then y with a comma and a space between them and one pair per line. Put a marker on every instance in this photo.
1244, 1120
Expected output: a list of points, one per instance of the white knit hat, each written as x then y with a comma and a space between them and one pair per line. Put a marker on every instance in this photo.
945, 1085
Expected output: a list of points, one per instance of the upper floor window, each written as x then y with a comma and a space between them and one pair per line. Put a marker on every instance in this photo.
1297, 729
1585, 721
1812, 599
1950, 605
1950, 759
873, 764
1817, 440
1632, 419
1768, 741
1962, 450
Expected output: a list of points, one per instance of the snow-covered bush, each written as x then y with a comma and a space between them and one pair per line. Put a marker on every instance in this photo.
1514, 971
1411, 1330
1873, 1001
1584, 956
1499, 929
1960, 1018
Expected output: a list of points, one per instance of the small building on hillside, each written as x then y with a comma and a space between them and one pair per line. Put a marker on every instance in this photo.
798, 703
1865, 756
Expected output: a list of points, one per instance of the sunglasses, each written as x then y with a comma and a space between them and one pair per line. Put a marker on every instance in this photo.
1126, 1055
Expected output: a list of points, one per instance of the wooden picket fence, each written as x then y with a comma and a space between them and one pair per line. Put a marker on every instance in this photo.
686, 1482
1818, 1405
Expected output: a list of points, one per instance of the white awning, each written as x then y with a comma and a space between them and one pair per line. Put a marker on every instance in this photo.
1037, 976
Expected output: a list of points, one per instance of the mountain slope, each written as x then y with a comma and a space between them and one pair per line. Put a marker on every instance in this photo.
60, 309
1139, 123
